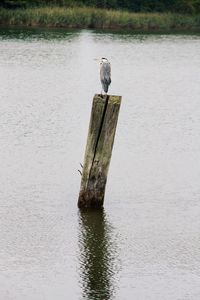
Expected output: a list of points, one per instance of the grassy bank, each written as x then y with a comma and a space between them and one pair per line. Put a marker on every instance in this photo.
84, 17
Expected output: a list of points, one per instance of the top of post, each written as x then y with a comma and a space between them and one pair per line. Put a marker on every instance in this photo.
115, 99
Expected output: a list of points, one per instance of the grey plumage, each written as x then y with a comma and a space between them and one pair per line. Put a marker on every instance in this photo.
105, 74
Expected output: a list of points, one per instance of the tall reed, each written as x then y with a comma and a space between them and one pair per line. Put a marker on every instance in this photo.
86, 17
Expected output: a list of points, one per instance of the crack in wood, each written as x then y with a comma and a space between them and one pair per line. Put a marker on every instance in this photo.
99, 134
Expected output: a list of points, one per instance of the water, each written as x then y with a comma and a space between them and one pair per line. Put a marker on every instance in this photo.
145, 244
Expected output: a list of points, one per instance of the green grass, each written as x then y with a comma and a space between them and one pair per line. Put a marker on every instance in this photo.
84, 17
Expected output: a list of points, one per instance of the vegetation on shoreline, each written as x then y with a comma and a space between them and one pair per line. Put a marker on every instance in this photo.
85, 17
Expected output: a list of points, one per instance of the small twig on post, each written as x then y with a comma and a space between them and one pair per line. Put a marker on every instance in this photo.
80, 172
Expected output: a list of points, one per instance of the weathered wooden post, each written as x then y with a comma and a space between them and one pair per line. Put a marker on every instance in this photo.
103, 122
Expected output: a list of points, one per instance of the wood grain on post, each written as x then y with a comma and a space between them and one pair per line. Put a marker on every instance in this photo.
103, 122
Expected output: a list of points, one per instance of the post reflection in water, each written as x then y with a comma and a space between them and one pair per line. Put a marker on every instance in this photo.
97, 256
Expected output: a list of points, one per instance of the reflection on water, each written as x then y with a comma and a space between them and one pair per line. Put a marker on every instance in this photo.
97, 256
36, 34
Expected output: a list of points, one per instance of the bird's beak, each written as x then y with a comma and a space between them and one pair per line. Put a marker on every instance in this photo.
97, 59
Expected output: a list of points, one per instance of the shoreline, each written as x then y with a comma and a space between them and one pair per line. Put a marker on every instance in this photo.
98, 19
181, 31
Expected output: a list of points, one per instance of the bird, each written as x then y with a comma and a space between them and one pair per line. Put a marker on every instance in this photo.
105, 74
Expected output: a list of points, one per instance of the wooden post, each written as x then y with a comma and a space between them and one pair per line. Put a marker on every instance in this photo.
103, 122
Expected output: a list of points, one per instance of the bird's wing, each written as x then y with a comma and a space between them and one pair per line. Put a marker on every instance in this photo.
106, 72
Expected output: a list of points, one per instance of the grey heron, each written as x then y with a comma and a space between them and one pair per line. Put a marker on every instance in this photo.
105, 74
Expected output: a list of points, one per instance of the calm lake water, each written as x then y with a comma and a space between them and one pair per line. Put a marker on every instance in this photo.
145, 244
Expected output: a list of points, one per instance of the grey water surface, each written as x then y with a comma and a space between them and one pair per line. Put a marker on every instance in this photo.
145, 244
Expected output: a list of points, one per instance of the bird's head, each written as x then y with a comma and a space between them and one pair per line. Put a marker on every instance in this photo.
103, 60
